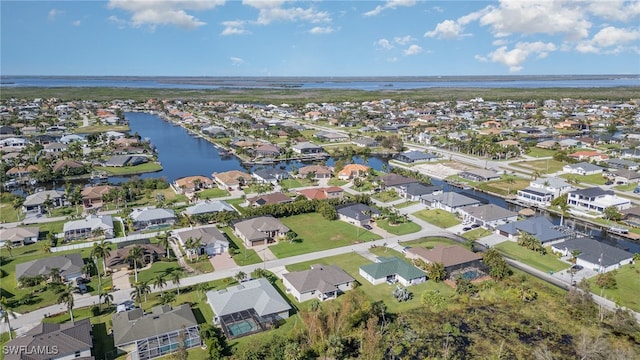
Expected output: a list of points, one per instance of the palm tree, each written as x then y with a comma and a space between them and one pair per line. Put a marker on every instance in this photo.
107, 299
97, 232
159, 283
55, 275
101, 250
175, 278
564, 211
240, 276
66, 297
164, 241
46, 247
536, 174
135, 254
510, 181
7, 245
7, 314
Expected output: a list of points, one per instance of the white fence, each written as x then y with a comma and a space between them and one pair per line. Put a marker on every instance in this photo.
114, 241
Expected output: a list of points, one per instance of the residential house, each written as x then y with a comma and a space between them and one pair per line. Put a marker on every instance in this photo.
51, 341
255, 300
20, 171
70, 267
413, 156
270, 175
322, 282
489, 216
480, 175
260, 230
622, 164
318, 171
449, 201
631, 216
583, 168
125, 160
92, 196
332, 192
191, 184
19, 236
212, 241
630, 153
547, 144
330, 136
535, 196
68, 167
268, 199
593, 254
357, 214
557, 186
452, 257
624, 176
70, 138
157, 333
539, 227
365, 142
54, 148
13, 143
392, 270
36, 203
414, 191
151, 219
267, 150
595, 200
305, 148
231, 179
395, 181
586, 155
207, 207
118, 259
352, 171
80, 229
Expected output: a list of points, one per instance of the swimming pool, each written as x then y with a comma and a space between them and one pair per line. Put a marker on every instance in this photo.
242, 327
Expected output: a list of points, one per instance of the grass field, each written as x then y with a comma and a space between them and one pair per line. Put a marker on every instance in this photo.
626, 291
405, 204
537, 152
593, 179
9, 214
399, 229
476, 234
429, 242
336, 182
386, 196
541, 262
213, 193
295, 183
130, 170
163, 268
245, 256
544, 166
438, 218
503, 187
316, 233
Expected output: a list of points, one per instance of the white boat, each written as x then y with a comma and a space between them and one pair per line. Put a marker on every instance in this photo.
618, 230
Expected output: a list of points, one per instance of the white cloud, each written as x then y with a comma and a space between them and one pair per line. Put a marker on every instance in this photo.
53, 13
263, 4
412, 50
321, 30
119, 23
447, 29
272, 11
610, 36
164, 12
390, 4
76, 23
384, 44
236, 61
515, 57
618, 10
234, 27
403, 40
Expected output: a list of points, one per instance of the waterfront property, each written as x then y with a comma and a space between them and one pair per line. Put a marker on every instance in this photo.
413, 156
231, 179
535, 196
595, 200
304, 148
352, 171
190, 184
488, 216
125, 160
212, 241
70, 267
449, 201
318, 171
19, 236
555, 185
119, 258
270, 176
593, 254
80, 229
357, 214
155, 334
248, 308
392, 270
72, 340
259, 230
36, 203
92, 197
395, 181
152, 219
539, 227
322, 282
480, 175
414, 191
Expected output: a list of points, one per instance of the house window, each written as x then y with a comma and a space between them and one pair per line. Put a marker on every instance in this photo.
77, 354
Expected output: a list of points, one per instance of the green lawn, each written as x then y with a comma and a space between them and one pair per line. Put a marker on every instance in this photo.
405, 204
476, 234
626, 290
399, 229
627, 187
293, 183
351, 264
503, 187
336, 182
541, 262
593, 179
429, 242
438, 218
386, 196
245, 256
316, 233
202, 266
9, 214
537, 152
213, 193
130, 170
163, 268
544, 166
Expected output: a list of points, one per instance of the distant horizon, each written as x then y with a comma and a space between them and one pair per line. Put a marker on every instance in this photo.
514, 76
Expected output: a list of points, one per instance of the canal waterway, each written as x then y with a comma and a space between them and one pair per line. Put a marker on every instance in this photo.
184, 154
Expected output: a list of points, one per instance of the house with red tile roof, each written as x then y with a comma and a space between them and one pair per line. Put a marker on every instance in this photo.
333, 192
353, 171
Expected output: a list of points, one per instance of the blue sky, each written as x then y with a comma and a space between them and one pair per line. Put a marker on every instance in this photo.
319, 38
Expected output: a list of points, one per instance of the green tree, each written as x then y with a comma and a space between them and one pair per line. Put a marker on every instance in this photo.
175, 277
436, 271
135, 255
7, 315
434, 300
240, 276
612, 213
66, 298
159, 283
164, 241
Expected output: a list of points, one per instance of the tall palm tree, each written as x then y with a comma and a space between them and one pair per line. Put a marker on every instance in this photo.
175, 278
159, 283
7, 314
164, 241
55, 275
66, 297
135, 254
107, 299
240, 276
101, 250
564, 211
9, 247
140, 292
46, 247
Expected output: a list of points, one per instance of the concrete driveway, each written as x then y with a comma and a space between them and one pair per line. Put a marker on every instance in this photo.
120, 280
223, 262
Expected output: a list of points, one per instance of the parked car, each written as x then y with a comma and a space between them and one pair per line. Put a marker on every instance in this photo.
575, 268
636, 190
368, 227
475, 226
466, 228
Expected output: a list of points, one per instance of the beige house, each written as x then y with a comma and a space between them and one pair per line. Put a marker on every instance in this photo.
260, 230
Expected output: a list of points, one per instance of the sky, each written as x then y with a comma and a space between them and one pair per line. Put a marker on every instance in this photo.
319, 38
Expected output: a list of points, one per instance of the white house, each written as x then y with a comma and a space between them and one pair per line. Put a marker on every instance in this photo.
583, 168
489, 216
595, 200
322, 282
593, 254
79, 229
557, 186
392, 269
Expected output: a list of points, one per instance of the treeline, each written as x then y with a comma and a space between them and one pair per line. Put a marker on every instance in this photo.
326, 208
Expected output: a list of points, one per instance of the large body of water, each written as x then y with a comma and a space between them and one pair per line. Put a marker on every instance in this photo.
183, 154
355, 83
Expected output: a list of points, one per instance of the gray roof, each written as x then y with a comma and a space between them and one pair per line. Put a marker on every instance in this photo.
40, 197
395, 180
536, 191
489, 212
483, 173
207, 235
540, 227
151, 214
594, 251
451, 199
90, 222
417, 189
133, 325
592, 192
414, 155
271, 174
67, 264
208, 207
622, 162
305, 145
392, 266
323, 278
585, 166
18, 233
552, 182
255, 228
357, 211
67, 338
627, 174
257, 294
